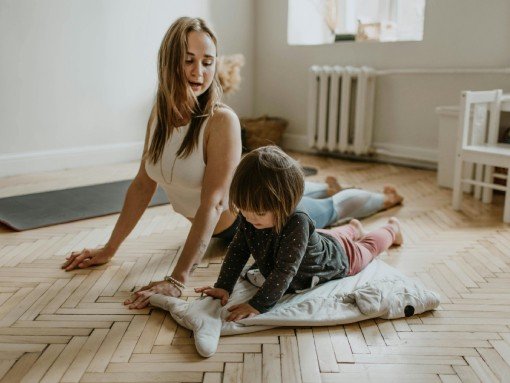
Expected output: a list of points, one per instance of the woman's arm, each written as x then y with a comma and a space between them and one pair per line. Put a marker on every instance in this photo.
223, 153
236, 258
137, 199
238, 254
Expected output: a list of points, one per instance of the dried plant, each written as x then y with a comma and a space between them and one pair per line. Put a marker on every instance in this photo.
327, 9
229, 72
330, 15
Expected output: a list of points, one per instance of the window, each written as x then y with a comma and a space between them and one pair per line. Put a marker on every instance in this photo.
313, 22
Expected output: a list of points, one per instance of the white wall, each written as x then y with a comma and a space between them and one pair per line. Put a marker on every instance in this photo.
457, 34
234, 23
77, 78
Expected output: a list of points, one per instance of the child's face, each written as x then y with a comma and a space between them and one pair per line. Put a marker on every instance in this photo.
259, 221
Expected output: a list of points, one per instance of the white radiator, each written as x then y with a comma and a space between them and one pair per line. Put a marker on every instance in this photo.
340, 109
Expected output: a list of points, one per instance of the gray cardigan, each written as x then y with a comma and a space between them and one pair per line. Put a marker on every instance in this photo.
287, 260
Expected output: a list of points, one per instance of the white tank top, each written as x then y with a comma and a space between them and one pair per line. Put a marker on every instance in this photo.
180, 178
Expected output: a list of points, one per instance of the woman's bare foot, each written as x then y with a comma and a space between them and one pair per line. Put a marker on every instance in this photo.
358, 228
395, 225
333, 186
391, 197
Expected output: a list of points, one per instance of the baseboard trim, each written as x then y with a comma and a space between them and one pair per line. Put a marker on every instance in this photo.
43, 161
391, 153
297, 142
33, 162
406, 152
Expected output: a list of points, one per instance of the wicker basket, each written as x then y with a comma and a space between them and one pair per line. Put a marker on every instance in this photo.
262, 131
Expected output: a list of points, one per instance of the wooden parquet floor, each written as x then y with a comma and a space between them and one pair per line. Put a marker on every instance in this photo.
72, 327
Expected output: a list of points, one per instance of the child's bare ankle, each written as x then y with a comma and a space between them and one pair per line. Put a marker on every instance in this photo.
358, 227
394, 223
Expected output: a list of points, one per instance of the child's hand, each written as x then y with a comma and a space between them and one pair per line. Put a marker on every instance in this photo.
215, 293
238, 312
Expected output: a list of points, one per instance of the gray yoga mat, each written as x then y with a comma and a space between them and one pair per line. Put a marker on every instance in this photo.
31, 211
309, 171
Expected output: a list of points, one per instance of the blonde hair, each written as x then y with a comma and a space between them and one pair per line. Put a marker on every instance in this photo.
175, 101
267, 180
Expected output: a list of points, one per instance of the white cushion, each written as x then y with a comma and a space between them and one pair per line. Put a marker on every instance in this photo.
378, 291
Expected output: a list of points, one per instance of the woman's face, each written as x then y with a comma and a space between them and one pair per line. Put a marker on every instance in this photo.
200, 63
259, 221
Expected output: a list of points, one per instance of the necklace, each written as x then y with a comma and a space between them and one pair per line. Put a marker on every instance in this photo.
171, 169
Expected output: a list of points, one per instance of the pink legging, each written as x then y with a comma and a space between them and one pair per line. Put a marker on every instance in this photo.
361, 251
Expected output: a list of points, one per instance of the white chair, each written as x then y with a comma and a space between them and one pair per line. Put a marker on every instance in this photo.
477, 146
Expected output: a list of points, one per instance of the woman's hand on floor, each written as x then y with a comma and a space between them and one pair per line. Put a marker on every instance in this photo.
87, 257
215, 293
140, 298
238, 312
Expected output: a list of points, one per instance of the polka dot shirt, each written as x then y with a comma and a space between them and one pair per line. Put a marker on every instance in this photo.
288, 260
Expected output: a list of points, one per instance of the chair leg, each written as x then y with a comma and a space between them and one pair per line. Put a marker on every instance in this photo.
506, 211
478, 178
467, 172
457, 183
488, 178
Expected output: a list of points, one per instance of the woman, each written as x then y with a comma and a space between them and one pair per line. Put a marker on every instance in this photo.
192, 147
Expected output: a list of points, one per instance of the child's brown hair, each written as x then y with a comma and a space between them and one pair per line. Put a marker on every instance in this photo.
267, 180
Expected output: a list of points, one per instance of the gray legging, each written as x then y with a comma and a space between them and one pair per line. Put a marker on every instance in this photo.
344, 205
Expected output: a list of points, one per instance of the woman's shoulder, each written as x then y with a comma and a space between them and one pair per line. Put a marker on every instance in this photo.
222, 124
224, 115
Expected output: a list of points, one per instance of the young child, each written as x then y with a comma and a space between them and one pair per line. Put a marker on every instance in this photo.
289, 252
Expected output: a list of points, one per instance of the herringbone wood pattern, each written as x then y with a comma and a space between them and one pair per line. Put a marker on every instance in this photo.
71, 327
